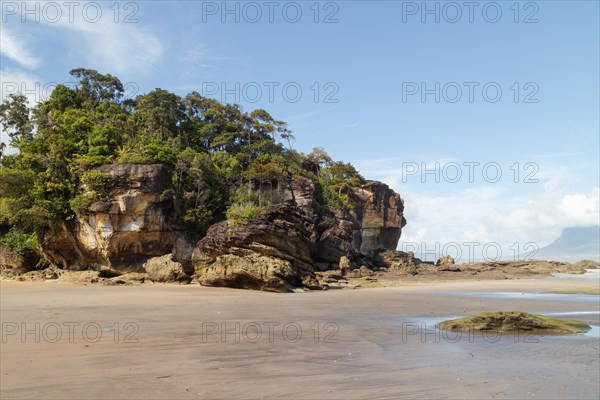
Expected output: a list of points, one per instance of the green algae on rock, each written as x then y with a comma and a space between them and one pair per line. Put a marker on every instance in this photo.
513, 321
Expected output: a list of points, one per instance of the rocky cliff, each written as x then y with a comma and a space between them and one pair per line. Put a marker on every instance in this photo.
380, 218
374, 224
279, 250
282, 249
120, 235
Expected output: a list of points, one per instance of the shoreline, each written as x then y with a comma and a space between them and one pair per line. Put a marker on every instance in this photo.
190, 342
564, 284
354, 279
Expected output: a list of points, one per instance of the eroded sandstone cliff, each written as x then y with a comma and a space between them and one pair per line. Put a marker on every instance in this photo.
282, 248
374, 224
279, 250
120, 235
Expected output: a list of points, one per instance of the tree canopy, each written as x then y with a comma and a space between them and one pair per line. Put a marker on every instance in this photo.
212, 149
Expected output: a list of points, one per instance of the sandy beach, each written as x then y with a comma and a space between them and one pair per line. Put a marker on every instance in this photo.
66, 341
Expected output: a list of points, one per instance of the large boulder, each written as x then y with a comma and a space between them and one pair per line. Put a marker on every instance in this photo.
397, 261
137, 226
121, 234
165, 269
270, 252
444, 261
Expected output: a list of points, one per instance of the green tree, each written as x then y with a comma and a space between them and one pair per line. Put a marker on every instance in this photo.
15, 119
161, 115
319, 157
216, 153
200, 194
339, 175
97, 86
228, 167
15, 197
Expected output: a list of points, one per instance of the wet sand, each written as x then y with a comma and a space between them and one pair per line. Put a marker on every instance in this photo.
169, 342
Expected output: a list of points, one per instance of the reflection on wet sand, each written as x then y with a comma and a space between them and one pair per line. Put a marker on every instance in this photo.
194, 342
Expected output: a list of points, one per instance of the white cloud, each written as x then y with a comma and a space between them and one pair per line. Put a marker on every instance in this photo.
504, 213
114, 47
550, 209
15, 48
18, 81
303, 116
106, 45
199, 56
581, 208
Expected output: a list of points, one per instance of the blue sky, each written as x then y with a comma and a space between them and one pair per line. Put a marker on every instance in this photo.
362, 68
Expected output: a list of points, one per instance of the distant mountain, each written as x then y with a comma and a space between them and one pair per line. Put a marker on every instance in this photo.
573, 245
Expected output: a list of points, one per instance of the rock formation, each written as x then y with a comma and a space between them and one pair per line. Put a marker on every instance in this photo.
443, 261
375, 224
165, 269
397, 261
271, 252
280, 249
120, 235
380, 217
136, 231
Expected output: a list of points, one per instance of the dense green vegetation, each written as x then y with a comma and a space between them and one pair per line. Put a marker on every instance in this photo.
22, 244
215, 152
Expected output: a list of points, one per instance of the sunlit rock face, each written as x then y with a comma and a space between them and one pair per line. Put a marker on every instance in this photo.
282, 248
380, 217
279, 250
374, 224
121, 234
271, 252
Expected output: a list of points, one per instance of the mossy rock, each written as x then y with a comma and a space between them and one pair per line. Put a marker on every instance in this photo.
513, 321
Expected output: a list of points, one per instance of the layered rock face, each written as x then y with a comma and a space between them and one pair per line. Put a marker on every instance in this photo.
280, 249
341, 240
375, 224
298, 191
270, 252
122, 234
380, 218
276, 251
